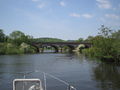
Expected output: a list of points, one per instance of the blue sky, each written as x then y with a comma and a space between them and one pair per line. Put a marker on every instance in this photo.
65, 19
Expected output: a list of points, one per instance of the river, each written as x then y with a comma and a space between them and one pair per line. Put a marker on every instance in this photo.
78, 70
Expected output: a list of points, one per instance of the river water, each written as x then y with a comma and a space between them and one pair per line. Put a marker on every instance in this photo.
78, 70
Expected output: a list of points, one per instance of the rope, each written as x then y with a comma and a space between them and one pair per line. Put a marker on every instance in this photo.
44, 80
70, 86
58, 79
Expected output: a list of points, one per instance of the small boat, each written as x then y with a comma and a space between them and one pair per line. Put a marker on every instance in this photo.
36, 83
27, 84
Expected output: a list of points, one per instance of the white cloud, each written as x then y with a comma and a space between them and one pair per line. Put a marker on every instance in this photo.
81, 15
62, 4
41, 5
112, 16
87, 15
75, 15
105, 4
35, 0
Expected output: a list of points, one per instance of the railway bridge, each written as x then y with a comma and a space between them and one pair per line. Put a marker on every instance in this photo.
60, 46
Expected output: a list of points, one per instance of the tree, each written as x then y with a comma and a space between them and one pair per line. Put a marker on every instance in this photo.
105, 31
104, 42
116, 45
80, 40
16, 34
116, 35
89, 39
105, 46
2, 36
17, 37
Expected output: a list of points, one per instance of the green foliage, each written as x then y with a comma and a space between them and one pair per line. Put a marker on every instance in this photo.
89, 39
17, 37
116, 35
11, 49
106, 45
19, 43
25, 48
105, 32
2, 36
80, 40
92, 52
13, 44
2, 48
116, 50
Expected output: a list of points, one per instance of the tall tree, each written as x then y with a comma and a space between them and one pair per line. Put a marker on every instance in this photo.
16, 34
105, 31
17, 37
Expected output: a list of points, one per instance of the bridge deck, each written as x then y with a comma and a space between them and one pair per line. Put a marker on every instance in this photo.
62, 43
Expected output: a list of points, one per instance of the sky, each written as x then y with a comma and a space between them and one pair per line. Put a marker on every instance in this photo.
64, 19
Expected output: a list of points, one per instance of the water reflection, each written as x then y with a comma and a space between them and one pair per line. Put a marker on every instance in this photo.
107, 76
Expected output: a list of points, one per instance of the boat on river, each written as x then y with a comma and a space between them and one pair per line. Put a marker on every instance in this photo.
36, 83
27, 84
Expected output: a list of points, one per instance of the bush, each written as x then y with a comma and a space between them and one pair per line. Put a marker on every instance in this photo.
12, 49
25, 48
2, 48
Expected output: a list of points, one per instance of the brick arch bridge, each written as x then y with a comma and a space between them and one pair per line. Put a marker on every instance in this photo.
58, 46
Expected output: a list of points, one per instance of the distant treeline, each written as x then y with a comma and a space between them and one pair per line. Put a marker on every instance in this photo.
48, 40
105, 45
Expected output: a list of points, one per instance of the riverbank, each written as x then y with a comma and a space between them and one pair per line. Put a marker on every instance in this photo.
10, 48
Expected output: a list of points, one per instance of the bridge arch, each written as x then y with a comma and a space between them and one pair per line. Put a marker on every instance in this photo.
36, 48
69, 48
51, 46
55, 48
80, 47
59, 46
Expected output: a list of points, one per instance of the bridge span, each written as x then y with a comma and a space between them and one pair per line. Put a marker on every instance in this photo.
60, 46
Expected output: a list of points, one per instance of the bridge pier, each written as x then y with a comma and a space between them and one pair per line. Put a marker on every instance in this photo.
60, 49
37, 50
41, 50
56, 50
